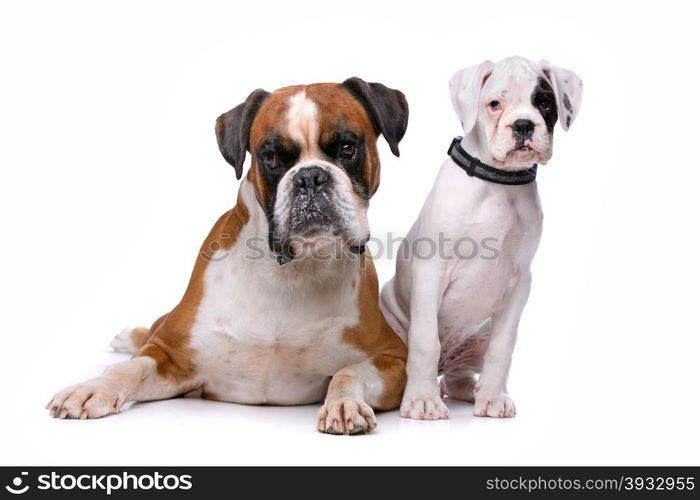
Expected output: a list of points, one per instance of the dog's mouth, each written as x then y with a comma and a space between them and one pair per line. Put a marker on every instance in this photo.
317, 221
311, 215
523, 147
324, 246
523, 152
313, 225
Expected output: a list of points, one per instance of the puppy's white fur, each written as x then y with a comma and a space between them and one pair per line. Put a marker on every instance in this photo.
460, 316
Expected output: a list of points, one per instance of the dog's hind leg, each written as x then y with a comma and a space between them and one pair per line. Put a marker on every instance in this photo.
130, 340
459, 385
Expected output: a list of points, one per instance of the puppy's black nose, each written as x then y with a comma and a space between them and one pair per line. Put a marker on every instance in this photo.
522, 129
310, 178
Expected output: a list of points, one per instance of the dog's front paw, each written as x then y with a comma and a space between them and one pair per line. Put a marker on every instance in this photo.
92, 399
493, 404
346, 416
424, 405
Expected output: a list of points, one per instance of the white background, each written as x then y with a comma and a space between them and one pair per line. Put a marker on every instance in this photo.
111, 178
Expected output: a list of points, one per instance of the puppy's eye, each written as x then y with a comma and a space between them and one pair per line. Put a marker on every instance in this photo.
495, 105
348, 150
545, 105
269, 159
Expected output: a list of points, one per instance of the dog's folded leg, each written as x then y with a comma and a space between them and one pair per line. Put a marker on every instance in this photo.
138, 379
355, 390
491, 395
459, 385
422, 399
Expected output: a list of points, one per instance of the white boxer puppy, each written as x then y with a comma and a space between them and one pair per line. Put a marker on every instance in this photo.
463, 272
276, 313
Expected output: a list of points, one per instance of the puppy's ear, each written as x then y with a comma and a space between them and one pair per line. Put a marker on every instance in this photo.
233, 129
386, 107
465, 92
568, 90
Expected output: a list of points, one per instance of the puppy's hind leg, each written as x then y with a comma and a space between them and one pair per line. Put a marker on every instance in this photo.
459, 385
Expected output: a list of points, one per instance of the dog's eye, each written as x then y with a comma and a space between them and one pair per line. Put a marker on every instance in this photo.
348, 150
545, 105
495, 105
270, 159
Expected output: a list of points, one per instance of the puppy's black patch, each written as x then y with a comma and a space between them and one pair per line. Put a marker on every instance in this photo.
544, 101
567, 103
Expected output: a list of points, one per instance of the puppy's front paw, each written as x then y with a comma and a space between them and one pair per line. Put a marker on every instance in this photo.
346, 416
493, 404
92, 399
424, 405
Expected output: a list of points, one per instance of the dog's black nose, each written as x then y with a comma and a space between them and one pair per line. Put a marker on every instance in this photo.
310, 178
522, 129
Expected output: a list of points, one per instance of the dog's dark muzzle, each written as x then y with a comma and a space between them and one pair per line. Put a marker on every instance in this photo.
312, 205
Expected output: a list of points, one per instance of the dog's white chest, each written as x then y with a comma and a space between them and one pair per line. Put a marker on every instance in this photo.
260, 339
505, 222
507, 230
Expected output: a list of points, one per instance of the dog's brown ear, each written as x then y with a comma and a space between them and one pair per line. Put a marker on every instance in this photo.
233, 129
386, 107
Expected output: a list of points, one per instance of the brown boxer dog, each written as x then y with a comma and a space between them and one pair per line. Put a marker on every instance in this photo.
282, 306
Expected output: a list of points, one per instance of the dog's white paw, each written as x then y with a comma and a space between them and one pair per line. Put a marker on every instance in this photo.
92, 399
346, 416
424, 405
493, 404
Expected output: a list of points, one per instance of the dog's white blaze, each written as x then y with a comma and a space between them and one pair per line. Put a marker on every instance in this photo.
304, 128
255, 344
302, 122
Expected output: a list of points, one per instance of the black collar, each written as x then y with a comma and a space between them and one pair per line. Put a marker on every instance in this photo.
475, 168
